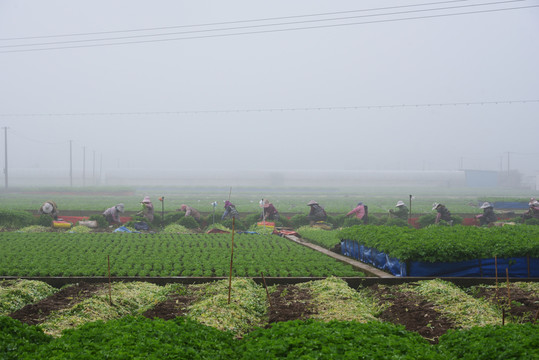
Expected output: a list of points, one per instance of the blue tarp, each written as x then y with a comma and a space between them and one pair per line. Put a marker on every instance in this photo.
517, 267
124, 229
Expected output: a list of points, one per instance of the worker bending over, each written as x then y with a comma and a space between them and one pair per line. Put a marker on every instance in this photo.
401, 212
190, 211
317, 212
112, 214
49, 208
360, 211
270, 212
443, 213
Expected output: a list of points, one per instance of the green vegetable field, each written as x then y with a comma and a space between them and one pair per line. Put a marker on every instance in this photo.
440, 243
208, 255
327, 320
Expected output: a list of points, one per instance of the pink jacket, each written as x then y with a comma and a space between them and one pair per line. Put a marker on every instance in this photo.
359, 211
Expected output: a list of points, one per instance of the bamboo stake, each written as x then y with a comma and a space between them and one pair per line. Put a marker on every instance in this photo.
496, 271
508, 291
265, 286
231, 260
110, 286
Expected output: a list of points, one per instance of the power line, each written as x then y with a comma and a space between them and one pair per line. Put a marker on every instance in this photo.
262, 31
250, 26
320, 108
228, 22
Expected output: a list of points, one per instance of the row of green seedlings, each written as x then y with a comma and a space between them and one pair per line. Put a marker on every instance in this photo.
160, 255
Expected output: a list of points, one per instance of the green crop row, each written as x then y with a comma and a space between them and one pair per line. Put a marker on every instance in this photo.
207, 255
346, 327
325, 238
447, 244
139, 337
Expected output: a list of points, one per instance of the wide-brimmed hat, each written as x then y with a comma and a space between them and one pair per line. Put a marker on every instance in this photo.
120, 207
400, 203
47, 208
435, 205
532, 201
359, 203
146, 200
312, 202
486, 205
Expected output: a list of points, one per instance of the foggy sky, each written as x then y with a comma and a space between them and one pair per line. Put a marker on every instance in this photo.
208, 84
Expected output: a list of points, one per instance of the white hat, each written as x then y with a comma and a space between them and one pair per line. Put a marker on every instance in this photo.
400, 203
435, 205
120, 207
47, 208
312, 202
486, 205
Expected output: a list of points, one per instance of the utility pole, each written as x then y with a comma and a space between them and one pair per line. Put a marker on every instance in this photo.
83, 166
71, 163
100, 168
5, 142
93, 170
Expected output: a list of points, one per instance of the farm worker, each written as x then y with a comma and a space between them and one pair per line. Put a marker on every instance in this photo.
360, 211
189, 211
443, 213
270, 212
533, 211
112, 214
401, 212
147, 209
230, 211
488, 216
317, 212
49, 208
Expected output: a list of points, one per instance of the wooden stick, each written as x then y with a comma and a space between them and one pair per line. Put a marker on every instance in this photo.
267, 292
508, 291
231, 260
496, 271
503, 316
110, 286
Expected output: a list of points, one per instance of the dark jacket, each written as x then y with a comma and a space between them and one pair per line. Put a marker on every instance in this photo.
443, 214
317, 213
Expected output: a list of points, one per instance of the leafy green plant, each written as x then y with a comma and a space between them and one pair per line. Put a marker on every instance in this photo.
18, 338
101, 221
313, 339
189, 222
173, 217
352, 222
16, 218
44, 220
238, 224
426, 220
299, 220
396, 222
447, 244
512, 341
137, 337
